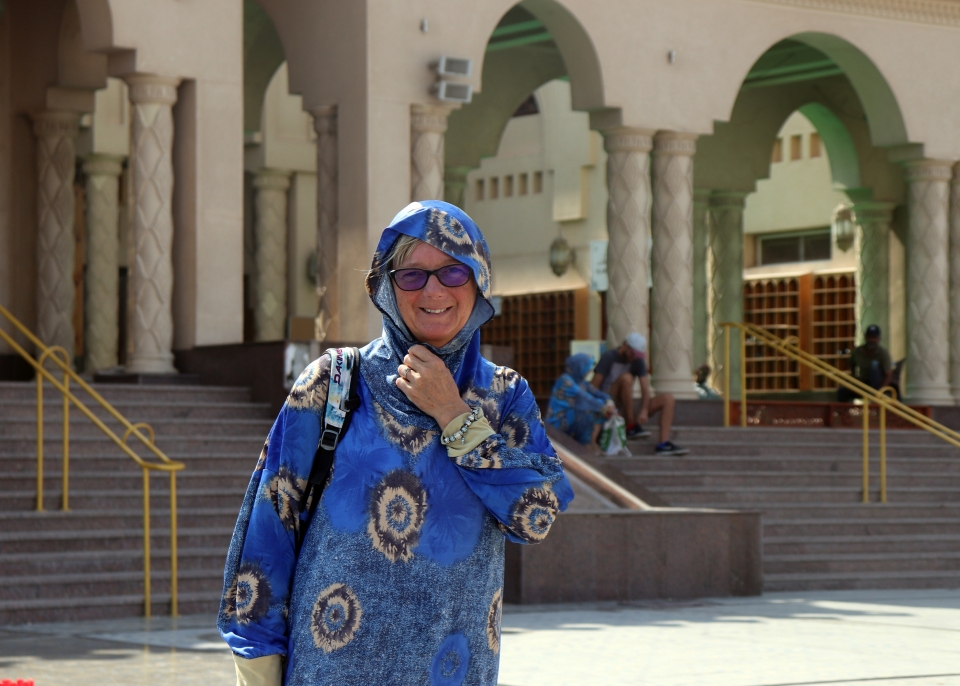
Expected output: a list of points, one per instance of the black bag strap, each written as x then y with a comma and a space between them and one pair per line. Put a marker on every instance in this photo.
343, 397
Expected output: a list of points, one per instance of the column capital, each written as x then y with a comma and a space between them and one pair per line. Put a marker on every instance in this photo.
871, 212
701, 196
675, 143
100, 164
928, 170
325, 119
277, 179
56, 123
627, 139
728, 199
152, 89
429, 118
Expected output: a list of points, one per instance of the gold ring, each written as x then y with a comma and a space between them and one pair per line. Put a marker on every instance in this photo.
406, 373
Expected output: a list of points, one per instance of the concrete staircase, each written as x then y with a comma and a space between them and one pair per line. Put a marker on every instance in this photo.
817, 534
88, 563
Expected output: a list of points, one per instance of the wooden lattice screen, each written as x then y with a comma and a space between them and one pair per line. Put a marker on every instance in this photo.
819, 310
834, 322
539, 328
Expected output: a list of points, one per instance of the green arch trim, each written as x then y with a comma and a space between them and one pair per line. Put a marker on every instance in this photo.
841, 150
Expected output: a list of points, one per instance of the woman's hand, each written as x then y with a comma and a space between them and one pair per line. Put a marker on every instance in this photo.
426, 381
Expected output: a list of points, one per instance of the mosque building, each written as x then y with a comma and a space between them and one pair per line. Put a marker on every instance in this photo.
178, 175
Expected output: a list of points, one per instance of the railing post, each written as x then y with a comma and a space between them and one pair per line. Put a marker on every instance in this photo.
726, 376
65, 468
39, 441
174, 604
866, 450
743, 378
883, 454
146, 543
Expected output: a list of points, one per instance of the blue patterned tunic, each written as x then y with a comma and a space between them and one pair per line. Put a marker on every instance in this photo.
399, 579
575, 405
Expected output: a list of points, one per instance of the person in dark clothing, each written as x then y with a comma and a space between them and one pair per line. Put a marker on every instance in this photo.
869, 363
614, 375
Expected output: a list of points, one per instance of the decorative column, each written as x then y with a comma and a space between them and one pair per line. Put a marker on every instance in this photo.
455, 185
55, 132
270, 234
701, 316
671, 340
873, 269
726, 281
628, 227
428, 123
103, 272
928, 283
955, 284
327, 321
151, 269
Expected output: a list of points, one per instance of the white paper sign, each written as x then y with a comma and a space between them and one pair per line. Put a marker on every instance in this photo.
598, 265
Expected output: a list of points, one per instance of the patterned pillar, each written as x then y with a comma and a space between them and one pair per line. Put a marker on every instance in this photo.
55, 132
671, 340
151, 271
327, 322
701, 317
928, 283
628, 227
955, 284
102, 277
455, 185
428, 123
726, 281
873, 269
270, 234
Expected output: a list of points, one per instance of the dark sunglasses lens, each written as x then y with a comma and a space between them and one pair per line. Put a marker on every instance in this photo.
410, 279
454, 275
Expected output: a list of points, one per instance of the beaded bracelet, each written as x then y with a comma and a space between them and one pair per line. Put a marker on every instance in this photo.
462, 431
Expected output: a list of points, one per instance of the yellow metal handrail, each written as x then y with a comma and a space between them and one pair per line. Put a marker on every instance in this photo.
54, 354
884, 398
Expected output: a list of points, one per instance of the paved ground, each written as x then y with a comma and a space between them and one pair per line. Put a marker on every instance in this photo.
873, 638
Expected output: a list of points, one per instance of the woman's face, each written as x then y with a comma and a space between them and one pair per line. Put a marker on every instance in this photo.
435, 313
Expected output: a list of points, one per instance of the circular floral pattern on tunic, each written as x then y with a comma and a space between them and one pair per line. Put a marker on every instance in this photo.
449, 666
534, 512
252, 596
310, 389
493, 622
286, 492
515, 431
336, 617
397, 508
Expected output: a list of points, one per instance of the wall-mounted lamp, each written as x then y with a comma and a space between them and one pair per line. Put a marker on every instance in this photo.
560, 256
671, 56
844, 224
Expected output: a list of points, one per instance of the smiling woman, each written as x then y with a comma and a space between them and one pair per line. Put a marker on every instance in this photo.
446, 457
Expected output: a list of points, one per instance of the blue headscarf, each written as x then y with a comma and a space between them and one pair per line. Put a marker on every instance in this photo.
448, 229
579, 365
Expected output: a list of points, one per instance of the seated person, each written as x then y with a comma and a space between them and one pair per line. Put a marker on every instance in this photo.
870, 363
614, 375
704, 390
576, 407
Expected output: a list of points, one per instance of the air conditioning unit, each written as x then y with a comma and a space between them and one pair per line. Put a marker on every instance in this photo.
454, 92
454, 66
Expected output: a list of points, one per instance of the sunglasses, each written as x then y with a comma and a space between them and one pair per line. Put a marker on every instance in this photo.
413, 279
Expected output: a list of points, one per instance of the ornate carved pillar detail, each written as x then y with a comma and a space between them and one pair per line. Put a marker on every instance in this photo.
102, 276
726, 279
955, 284
928, 283
327, 321
671, 340
55, 132
701, 317
428, 123
628, 226
873, 269
455, 185
151, 270
270, 234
